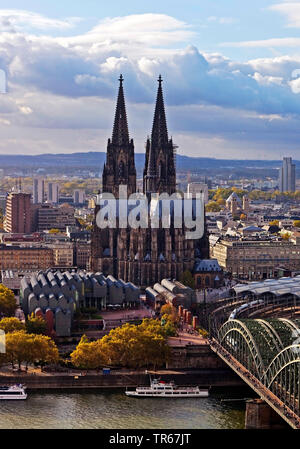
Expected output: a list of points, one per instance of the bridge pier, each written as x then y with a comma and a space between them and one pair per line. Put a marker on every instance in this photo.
259, 415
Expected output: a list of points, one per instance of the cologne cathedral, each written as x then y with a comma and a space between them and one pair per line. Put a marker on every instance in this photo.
142, 256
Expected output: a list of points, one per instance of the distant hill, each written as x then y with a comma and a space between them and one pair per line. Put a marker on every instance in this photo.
92, 160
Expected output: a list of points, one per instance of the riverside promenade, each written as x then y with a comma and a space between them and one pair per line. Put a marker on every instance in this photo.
201, 367
117, 379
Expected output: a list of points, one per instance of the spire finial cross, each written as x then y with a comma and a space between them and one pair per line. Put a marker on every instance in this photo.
159, 80
121, 79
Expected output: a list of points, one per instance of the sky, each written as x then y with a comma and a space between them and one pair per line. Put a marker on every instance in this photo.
231, 72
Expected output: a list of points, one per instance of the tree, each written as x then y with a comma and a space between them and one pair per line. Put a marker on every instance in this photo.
243, 217
15, 347
89, 355
43, 350
83, 339
212, 206
36, 325
171, 319
29, 348
8, 303
274, 223
167, 308
297, 223
222, 193
130, 345
151, 325
169, 326
11, 324
188, 279
54, 231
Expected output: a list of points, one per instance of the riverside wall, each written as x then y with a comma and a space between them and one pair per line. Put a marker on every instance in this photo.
122, 379
188, 365
195, 357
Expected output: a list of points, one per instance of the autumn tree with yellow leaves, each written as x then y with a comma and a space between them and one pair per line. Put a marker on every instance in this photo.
11, 324
89, 355
169, 319
36, 325
127, 346
29, 348
8, 303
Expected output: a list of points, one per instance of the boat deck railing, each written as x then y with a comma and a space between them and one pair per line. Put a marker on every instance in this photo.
167, 388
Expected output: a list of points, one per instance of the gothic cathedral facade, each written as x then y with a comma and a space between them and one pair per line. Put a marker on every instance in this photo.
142, 256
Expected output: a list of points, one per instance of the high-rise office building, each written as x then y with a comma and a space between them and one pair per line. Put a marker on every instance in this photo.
53, 192
38, 191
18, 213
287, 176
79, 196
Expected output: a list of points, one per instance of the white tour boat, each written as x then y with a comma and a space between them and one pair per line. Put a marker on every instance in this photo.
13, 392
160, 389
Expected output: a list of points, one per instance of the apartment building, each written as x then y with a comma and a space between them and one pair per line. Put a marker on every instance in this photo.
49, 217
18, 213
63, 254
25, 258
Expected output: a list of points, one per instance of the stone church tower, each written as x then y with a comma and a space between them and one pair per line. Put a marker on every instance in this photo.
142, 256
120, 166
159, 171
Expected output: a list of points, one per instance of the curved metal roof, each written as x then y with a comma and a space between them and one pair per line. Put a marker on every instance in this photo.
275, 286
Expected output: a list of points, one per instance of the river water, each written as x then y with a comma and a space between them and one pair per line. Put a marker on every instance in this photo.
111, 410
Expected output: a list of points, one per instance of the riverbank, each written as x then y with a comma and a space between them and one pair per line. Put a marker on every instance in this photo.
119, 379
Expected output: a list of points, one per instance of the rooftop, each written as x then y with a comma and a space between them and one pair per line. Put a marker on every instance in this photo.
278, 287
207, 265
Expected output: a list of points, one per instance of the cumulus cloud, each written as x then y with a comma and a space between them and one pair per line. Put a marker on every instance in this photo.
60, 85
191, 78
149, 29
135, 34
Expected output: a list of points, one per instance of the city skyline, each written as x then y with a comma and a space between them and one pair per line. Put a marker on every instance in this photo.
231, 77
150, 217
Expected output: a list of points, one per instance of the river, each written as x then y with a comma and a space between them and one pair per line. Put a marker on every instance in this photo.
114, 410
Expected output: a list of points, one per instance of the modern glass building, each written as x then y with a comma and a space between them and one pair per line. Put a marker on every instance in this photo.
287, 176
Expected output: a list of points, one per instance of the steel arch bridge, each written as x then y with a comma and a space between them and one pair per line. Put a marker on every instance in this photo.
270, 351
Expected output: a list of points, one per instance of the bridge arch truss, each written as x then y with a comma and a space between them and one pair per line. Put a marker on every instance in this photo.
282, 377
270, 350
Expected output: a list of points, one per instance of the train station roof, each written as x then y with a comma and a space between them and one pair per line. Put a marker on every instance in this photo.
278, 287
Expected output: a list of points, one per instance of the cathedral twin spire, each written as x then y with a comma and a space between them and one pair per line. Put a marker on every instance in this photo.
120, 130
159, 171
119, 168
159, 136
